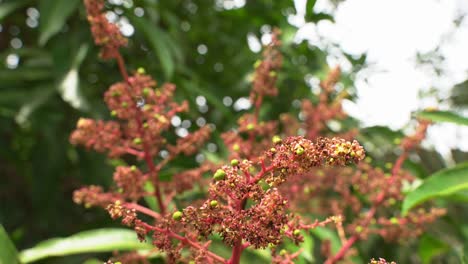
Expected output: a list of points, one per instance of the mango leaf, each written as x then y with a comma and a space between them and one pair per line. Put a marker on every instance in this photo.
327, 234
159, 42
99, 240
443, 116
70, 83
8, 254
430, 247
440, 184
54, 14
9, 7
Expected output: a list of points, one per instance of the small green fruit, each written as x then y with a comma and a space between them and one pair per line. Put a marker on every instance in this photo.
276, 139
141, 70
234, 162
177, 215
299, 150
137, 141
219, 175
213, 203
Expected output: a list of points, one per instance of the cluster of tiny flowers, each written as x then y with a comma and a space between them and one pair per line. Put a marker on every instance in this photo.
266, 71
359, 188
106, 34
271, 173
381, 261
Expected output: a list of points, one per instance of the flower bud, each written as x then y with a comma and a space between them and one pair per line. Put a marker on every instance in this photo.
219, 175
296, 232
177, 215
213, 203
234, 162
113, 113
299, 150
141, 70
276, 139
250, 126
146, 91
137, 141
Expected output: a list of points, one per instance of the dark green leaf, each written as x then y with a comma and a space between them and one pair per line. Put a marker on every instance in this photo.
54, 14
430, 247
8, 7
8, 254
100, 240
444, 116
158, 40
441, 183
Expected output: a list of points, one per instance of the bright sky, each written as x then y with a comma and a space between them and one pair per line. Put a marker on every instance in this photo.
392, 32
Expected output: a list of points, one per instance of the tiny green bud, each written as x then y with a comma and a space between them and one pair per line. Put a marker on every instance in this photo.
141, 70
115, 93
219, 175
213, 203
137, 141
296, 232
146, 91
234, 162
177, 215
273, 150
272, 74
394, 221
299, 150
283, 252
257, 63
250, 126
358, 229
276, 139
145, 125
124, 104
133, 168
236, 147
113, 113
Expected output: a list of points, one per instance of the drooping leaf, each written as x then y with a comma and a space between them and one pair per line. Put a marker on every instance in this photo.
430, 247
99, 240
441, 183
9, 7
158, 40
54, 14
444, 116
70, 83
40, 96
8, 253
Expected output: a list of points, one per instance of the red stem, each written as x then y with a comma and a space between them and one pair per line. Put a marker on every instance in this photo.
186, 241
370, 214
147, 154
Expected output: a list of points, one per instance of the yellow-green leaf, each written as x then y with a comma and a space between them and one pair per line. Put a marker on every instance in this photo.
441, 183
99, 240
444, 116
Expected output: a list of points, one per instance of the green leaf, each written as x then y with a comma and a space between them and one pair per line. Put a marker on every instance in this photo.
99, 240
70, 83
159, 41
326, 234
443, 116
8, 253
440, 184
54, 14
430, 247
310, 6
9, 7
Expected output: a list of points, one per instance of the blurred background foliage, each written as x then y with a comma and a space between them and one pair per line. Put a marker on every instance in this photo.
50, 76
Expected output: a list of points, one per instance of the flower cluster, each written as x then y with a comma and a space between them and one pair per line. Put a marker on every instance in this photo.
272, 177
105, 33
